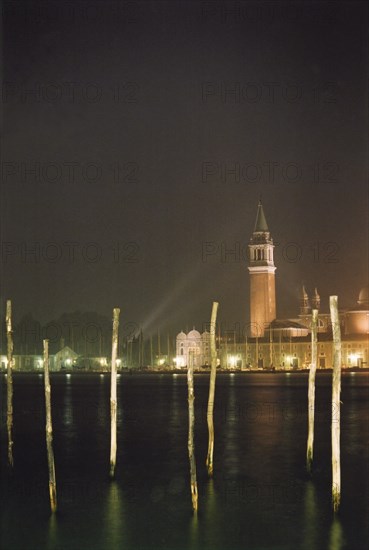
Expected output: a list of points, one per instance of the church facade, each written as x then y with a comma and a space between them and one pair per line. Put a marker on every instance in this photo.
192, 348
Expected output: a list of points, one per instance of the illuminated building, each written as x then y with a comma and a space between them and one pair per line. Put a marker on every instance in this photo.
286, 343
262, 276
193, 347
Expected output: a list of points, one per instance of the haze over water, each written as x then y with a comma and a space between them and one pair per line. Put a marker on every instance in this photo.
260, 497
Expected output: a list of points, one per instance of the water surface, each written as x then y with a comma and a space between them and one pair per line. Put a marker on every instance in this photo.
260, 496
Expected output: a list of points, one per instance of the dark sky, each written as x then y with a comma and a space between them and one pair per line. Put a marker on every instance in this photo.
141, 111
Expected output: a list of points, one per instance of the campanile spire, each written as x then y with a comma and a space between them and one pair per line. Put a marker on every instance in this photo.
262, 276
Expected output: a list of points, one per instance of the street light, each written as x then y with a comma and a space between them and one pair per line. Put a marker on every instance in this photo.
354, 358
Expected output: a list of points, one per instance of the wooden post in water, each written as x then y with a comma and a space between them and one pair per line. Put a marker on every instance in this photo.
142, 349
9, 381
271, 347
191, 424
213, 373
139, 349
311, 390
159, 348
246, 350
49, 430
113, 394
336, 404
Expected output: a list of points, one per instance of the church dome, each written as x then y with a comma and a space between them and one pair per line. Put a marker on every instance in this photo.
181, 336
364, 297
194, 335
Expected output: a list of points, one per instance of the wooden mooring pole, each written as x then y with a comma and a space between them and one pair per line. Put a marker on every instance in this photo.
311, 390
49, 430
213, 373
113, 394
191, 442
336, 404
9, 382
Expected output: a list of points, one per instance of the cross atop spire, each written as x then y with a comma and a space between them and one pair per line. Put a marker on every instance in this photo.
260, 223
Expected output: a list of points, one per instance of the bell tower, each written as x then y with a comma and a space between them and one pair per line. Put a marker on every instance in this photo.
316, 300
262, 278
304, 302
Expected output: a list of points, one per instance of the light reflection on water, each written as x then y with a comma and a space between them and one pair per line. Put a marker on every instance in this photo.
52, 542
103, 415
68, 405
211, 514
113, 522
231, 440
193, 533
336, 538
310, 518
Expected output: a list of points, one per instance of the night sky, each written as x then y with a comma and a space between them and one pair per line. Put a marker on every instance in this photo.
154, 129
